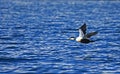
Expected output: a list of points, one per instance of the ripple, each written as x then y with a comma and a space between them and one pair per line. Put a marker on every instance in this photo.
6, 38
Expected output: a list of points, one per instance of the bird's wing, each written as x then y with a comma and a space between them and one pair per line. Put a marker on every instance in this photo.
81, 34
91, 34
82, 30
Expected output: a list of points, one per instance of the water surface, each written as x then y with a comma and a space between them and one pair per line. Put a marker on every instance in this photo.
34, 37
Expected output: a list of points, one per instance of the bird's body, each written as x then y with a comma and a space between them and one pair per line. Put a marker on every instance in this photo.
83, 37
82, 40
78, 39
85, 41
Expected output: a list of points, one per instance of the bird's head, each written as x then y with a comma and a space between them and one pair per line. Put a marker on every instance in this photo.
72, 38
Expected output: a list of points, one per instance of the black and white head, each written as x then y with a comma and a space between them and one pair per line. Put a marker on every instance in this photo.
72, 38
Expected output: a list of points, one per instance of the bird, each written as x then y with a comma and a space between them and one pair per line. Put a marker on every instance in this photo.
83, 36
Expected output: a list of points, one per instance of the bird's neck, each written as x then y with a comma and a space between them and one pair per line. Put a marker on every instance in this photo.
79, 39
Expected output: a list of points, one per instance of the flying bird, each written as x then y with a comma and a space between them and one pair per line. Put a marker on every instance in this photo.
83, 37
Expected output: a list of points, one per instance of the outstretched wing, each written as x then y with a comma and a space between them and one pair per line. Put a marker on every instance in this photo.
91, 34
82, 30
81, 34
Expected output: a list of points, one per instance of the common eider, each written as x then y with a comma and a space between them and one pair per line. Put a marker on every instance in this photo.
83, 37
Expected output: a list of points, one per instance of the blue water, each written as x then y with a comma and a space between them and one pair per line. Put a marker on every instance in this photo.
34, 37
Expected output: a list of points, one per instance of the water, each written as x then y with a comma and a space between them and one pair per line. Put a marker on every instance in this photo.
34, 37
